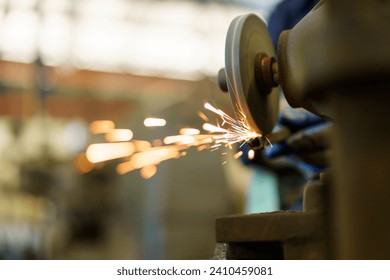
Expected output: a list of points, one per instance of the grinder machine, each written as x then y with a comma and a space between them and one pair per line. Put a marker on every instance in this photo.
336, 64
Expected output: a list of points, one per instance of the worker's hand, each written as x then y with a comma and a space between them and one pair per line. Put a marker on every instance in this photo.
307, 145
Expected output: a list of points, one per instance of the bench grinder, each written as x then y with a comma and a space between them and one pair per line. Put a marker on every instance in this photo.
336, 64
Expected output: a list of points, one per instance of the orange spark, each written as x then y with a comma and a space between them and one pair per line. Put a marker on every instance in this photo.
144, 156
117, 135
148, 172
101, 126
189, 131
107, 151
152, 122
238, 155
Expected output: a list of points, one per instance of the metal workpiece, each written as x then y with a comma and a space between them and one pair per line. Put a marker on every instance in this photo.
249, 69
276, 235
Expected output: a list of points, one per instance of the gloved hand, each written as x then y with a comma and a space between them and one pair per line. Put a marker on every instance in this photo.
306, 147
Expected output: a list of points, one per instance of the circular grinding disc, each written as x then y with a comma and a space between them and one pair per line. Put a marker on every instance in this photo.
247, 36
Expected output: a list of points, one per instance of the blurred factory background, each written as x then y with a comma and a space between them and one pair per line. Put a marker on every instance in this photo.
66, 63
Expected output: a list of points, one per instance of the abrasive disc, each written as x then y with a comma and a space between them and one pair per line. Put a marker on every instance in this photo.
247, 36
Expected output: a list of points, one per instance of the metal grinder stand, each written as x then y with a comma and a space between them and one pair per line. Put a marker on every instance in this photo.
335, 63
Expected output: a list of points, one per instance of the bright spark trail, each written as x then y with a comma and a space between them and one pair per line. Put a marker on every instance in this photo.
143, 155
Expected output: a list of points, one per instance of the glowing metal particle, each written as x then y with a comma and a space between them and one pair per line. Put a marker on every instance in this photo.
179, 139
141, 145
144, 156
238, 155
107, 151
153, 122
251, 154
203, 116
202, 147
189, 131
157, 143
213, 129
154, 156
101, 126
124, 167
232, 131
82, 164
117, 135
148, 172
208, 106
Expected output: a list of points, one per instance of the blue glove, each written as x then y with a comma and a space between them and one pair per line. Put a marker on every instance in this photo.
306, 147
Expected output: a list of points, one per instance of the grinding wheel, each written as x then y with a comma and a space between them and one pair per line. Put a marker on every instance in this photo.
246, 39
